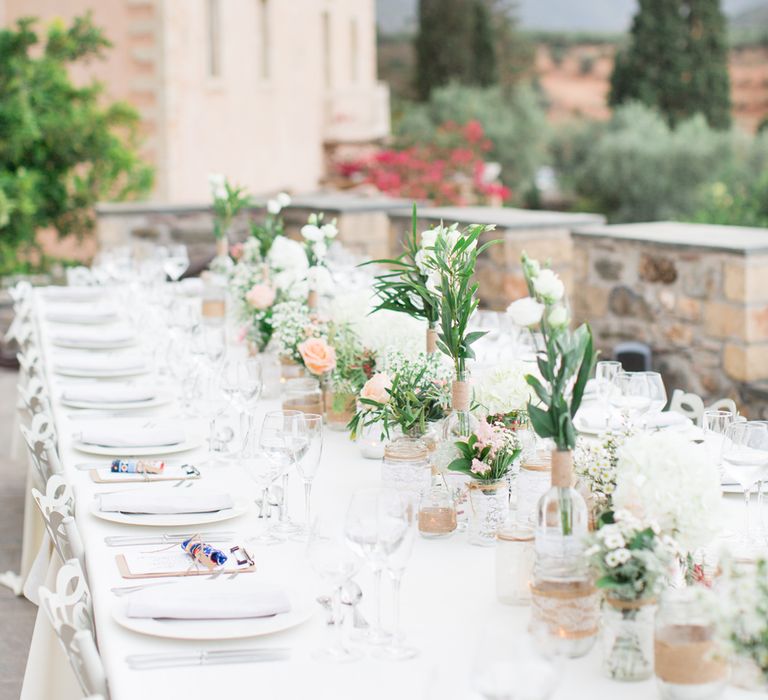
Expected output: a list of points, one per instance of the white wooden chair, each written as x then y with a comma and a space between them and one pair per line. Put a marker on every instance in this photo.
723, 405
41, 442
70, 612
30, 365
57, 507
690, 405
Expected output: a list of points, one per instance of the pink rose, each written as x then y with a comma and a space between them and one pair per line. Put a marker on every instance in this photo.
236, 250
318, 356
260, 296
377, 388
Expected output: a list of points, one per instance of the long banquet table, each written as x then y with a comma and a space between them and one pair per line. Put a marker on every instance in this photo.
448, 597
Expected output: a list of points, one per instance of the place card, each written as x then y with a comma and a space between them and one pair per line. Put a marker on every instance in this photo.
183, 472
173, 561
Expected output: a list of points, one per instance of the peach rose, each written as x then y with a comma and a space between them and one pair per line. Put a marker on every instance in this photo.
260, 296
318, 356
377, 388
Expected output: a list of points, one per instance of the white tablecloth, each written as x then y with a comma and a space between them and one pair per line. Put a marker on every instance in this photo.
448, 597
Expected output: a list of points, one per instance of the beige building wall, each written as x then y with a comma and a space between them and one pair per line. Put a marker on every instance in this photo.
255, 89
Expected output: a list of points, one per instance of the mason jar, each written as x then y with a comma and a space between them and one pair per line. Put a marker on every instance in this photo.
406, 465
303, 395
533, 482
515, 554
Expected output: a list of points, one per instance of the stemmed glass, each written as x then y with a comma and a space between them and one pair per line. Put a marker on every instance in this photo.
284, 440
631, 395
398, 514
176, 262
249, 387
605, 373
214, 342
364, 530
745, 457
336, 563
216, 404
308, 465
715, 424
263, 472
658, 392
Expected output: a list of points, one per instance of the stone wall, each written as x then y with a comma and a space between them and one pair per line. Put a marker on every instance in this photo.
698, 295
543, 234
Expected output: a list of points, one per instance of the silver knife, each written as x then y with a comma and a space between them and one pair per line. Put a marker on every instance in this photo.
142, 662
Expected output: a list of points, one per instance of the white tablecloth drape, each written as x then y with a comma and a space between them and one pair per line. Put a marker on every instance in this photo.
448, 598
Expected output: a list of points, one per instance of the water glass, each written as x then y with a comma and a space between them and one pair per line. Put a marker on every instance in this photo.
605, 373
176, 262
631, 395
308, 465
658, 391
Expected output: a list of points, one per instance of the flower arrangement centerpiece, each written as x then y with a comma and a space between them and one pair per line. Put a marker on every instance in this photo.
502, 394
300, 340
228, 201
451, 260
743, 621
410, 394
485, 457
596, 467
631, 561
563, 595
318, 236
409, 286
665, 478
354, 366
273, 226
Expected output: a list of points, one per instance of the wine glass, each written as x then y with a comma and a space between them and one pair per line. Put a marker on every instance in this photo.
336, 563
249, 387
363, 530
308, 465
657, 390
264, 472
715, 424
398, 514
745, 458
510, 665
605, 373
631, 395
214, 342
284, 440
176, 262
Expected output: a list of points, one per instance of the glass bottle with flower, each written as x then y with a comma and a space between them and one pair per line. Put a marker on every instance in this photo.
564, 597
318, 236
485, 457
631, 561
228, 201
407, 286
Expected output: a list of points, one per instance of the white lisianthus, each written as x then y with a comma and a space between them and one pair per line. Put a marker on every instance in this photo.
273, 207
319, 279
429, 237
421, 259
664, 478
531, 267
289, 261
548, 286
283, 199
330, 230
525, 312
312, 232
320, 249
218, 185
558, 316
434, 283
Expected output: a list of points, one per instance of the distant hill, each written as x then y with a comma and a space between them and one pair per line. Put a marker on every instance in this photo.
396, 16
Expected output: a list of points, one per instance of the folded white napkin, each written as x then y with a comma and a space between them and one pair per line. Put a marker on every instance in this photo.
132, 433
74, 294
163, 501
199, 604
108, 392
666, 419
94, 362
77, 313
94, 337
592, 417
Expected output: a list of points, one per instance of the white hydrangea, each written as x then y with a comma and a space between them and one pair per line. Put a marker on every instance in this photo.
503, 389
666, 478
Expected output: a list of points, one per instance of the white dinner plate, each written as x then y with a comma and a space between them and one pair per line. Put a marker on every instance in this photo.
128, 452
302, 608
103, 373
94, 345
240, 507
162, 397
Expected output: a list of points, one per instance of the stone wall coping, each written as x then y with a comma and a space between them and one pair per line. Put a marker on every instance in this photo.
738, 240
507, 217
340, 202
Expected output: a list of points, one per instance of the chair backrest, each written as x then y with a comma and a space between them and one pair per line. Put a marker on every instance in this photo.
33, 398
690, 405
70, 612
634, 356
41, 444
22, 329
57, 507
723, 405
29, 365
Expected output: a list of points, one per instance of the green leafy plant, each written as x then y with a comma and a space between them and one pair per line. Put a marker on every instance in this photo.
487, 454
63, 148
404, 287
228, 201
273, 226
355, 364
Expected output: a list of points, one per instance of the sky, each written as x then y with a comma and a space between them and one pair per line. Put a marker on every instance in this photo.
571, 15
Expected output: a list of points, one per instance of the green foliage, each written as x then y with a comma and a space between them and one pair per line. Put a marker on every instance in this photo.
497, 457
513, 121
472, 42
62, 150
228, 201
266, 233
677, 61
638, 168
404, 287
354, 363
737, 203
